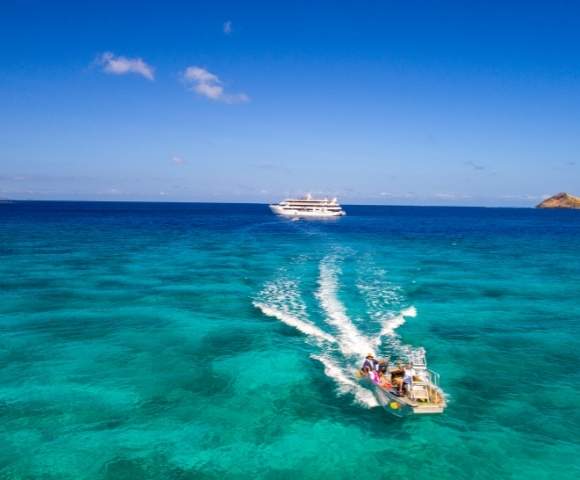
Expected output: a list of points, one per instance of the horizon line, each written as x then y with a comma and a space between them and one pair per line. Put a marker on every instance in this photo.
5, 201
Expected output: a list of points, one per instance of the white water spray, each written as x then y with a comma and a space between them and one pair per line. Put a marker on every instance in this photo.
304, 327
345, 383
351, 341
391, 324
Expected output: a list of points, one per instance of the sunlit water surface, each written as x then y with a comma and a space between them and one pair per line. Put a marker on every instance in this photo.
177, 341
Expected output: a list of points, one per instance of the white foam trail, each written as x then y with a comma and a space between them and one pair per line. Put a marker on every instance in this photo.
389, 325
379, 294
345, 383
304, 327
351, 341
284, 295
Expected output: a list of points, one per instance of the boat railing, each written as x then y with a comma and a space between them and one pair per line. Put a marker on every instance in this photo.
433, 377
429, 381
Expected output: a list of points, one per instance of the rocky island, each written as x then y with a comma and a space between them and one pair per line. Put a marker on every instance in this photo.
560, 200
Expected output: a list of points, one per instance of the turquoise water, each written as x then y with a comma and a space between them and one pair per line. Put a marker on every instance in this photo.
160, 341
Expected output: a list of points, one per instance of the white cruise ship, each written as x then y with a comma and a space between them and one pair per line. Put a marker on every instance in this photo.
308, 207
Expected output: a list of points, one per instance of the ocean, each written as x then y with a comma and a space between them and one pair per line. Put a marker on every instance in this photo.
209, 341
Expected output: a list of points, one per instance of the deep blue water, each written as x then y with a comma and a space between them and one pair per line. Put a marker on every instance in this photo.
157, 341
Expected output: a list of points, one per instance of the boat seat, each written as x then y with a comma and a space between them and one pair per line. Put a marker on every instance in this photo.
420, 392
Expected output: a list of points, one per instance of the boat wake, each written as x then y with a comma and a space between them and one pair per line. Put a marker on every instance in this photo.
305, 327
341, 343
351, 341
281, 300
389, 325
345, 382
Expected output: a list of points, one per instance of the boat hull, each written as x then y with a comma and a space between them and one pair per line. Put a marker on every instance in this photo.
401, 406
391, 402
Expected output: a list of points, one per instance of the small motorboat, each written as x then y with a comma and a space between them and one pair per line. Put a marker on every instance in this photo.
421, 396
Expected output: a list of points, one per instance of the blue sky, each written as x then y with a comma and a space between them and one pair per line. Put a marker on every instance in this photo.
379, 102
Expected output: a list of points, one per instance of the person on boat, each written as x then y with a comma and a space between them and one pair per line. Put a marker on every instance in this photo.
383, 366
384, 380
369, 364
407, 382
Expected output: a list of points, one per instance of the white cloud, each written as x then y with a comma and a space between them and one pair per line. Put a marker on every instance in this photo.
445, 196
208, 85
451, 196
228, 27
121, 65
111, 191
201, 75
525, 196
397, 195
178, 160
